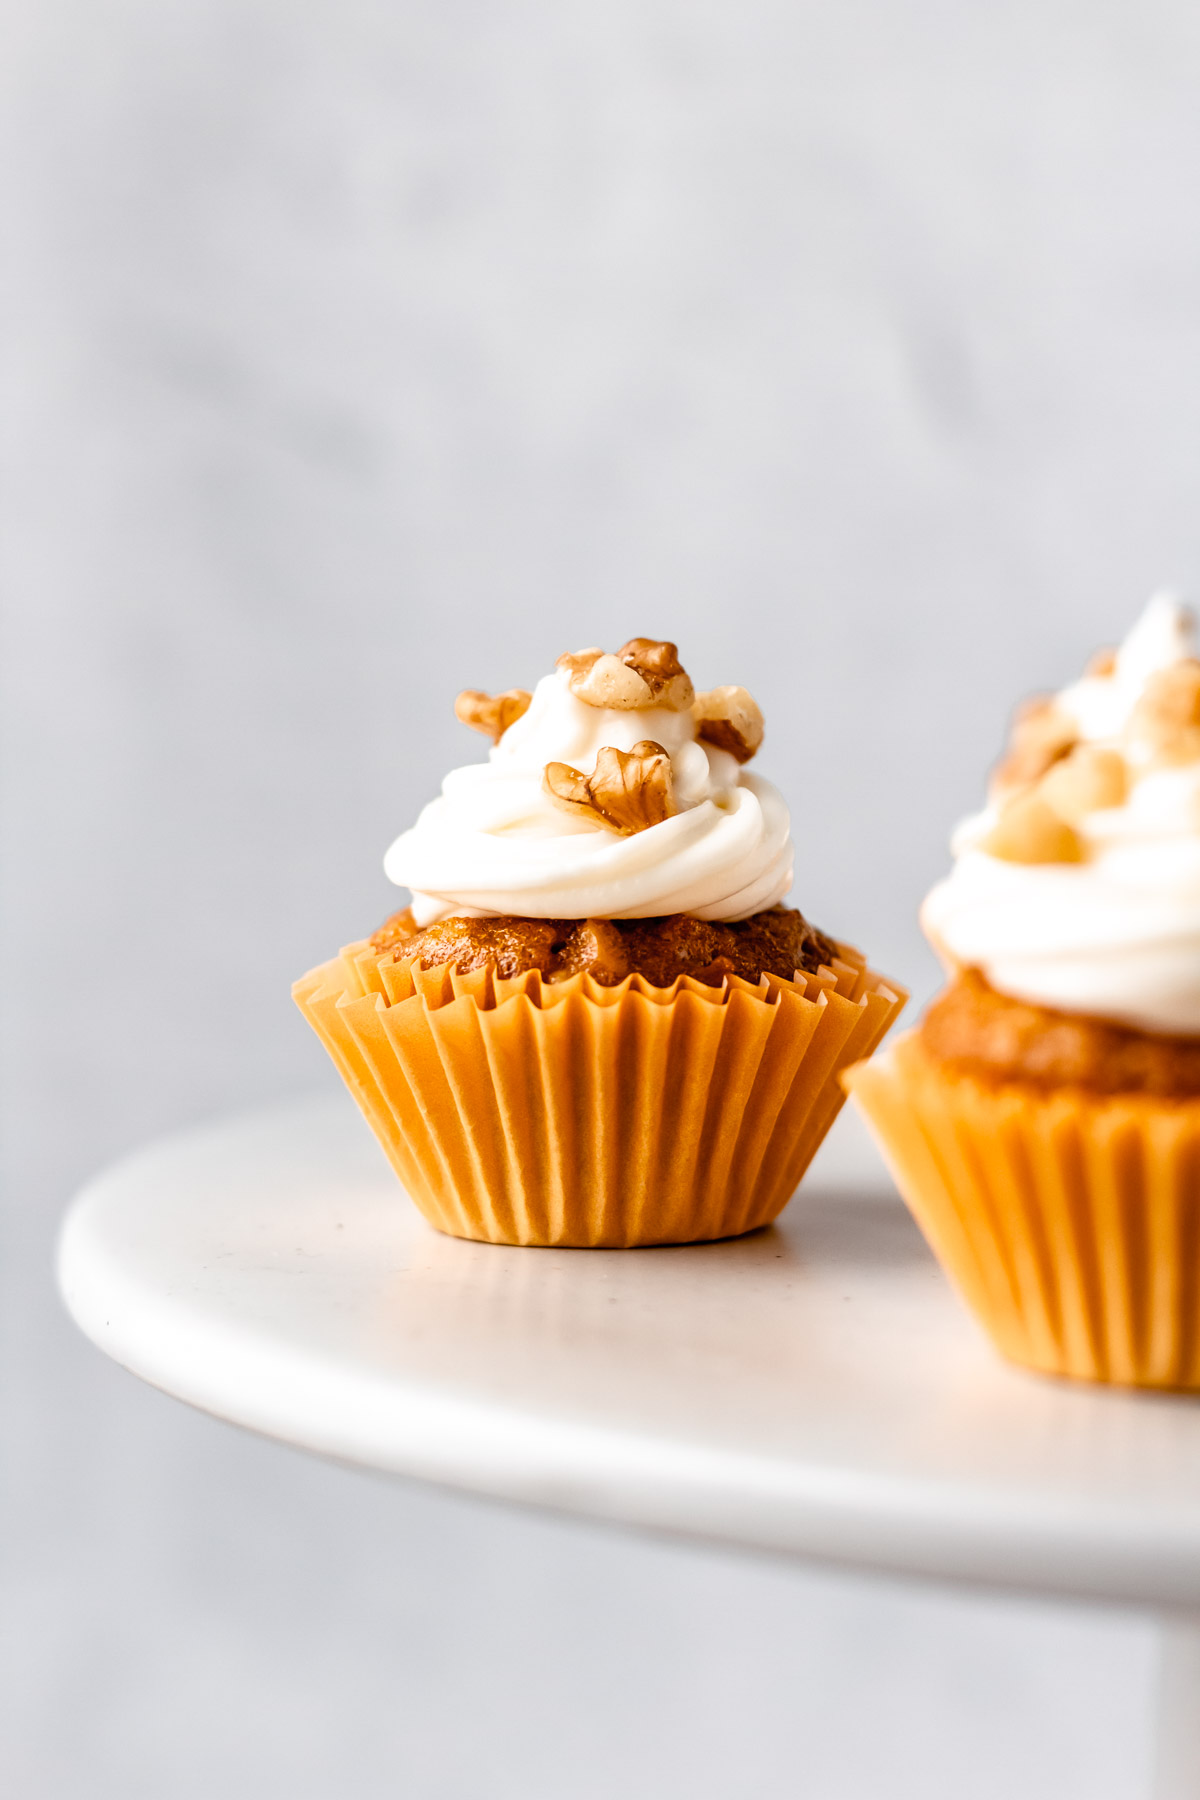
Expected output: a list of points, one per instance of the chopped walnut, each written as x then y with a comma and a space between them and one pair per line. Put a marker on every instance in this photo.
643, 673
1041, 736
628, 791
600, 679
658, 664
491, 713
1087, 780
731, 719
1166, 720
1030, 831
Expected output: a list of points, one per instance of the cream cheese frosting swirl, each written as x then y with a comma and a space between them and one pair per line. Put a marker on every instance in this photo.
494, 841
1114, 932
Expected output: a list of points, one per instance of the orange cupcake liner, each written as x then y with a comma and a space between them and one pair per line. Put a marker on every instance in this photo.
523, 1112
1069, 1221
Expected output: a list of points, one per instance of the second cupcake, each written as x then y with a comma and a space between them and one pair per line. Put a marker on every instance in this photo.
597, 1024
1044, 1121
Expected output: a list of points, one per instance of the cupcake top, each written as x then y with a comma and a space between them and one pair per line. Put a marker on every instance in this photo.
613, 791
1078, 887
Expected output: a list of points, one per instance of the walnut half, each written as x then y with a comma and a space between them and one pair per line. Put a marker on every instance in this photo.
491, 713
731, 719
644, 672
628, 791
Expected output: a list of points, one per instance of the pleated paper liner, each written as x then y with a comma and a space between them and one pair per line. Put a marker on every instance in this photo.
1069, 1221
523, 1112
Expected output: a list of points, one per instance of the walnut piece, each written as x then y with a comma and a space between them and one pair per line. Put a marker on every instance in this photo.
1166, 720
731, 719
491, 713
1030, 831
1087, 780
658, 664
1102, 664
601, 679
628, 791
643, 673
1041, 736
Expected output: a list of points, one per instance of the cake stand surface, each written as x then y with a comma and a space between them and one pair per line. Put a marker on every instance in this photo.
814, 1389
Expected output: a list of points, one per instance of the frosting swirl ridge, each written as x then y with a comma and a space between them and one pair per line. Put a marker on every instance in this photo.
495, 842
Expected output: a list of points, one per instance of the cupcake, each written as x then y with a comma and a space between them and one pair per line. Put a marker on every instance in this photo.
1043, 1121
596, 1023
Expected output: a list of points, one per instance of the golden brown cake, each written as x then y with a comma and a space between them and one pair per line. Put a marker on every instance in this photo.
776, 942
973, 1030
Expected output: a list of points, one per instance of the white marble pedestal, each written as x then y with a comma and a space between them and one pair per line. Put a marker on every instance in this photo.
813, 1390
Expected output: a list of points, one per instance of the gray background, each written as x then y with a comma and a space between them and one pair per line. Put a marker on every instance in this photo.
356, 352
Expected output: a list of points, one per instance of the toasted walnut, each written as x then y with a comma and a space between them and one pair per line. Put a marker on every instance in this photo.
1166, 720
601, 679
628, 791
1087, 780
643, 673
658, 664
731, 719
1030, 831
491, 713
1041, 736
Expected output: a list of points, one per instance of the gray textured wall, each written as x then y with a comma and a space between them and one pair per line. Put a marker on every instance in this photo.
356, 352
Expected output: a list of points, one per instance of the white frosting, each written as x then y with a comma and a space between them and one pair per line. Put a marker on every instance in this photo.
1116, 936
494, 842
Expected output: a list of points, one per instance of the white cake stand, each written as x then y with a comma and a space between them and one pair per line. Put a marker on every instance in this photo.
814, 1389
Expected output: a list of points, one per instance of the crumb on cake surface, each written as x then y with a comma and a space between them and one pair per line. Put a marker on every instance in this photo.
775, 942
